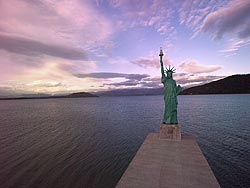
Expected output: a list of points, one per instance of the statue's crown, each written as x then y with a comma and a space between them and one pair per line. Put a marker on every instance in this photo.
168, 69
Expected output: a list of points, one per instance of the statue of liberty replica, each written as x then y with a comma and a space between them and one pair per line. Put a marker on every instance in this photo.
170, 123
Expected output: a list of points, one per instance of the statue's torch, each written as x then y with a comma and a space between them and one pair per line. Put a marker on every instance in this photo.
161, 52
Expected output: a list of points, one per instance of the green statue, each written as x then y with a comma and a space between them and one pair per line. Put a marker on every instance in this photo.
170, 93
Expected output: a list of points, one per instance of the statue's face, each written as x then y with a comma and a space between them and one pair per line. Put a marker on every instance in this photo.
169, 74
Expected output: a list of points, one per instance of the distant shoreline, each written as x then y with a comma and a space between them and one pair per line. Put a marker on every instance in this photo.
54, 97
61, 97
72, 95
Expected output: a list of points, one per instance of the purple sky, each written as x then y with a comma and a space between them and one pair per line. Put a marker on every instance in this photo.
53, 46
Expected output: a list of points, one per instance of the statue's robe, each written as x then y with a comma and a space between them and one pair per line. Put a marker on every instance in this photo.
170, 97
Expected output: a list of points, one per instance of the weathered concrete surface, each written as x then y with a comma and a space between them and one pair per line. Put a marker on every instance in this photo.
170, 131
161, 163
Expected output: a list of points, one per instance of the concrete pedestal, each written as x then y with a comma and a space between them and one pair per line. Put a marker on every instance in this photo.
170, 132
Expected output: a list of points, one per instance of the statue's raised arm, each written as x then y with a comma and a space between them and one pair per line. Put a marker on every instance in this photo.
162, 69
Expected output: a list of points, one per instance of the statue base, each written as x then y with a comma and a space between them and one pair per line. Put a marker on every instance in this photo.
170, 132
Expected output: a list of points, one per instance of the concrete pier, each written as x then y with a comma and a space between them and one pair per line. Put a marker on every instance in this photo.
161, 163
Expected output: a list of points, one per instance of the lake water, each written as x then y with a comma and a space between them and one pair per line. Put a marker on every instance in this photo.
89, 142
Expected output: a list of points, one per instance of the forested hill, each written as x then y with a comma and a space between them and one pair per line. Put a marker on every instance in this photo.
80, 94
236, 84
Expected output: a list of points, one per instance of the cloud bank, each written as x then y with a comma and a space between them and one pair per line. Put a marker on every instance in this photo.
195, 67
60, 33
30, 47
233, 18
107, 75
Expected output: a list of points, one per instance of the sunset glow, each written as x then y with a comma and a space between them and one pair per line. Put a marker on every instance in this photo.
66, 46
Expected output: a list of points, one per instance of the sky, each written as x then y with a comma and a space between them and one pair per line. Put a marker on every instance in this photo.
65, 46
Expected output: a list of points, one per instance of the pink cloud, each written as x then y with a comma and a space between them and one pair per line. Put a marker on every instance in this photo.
36, 34
152, 61
234, 18
234, 45
194, 67
154, 20
142, 13
188, 80
192, 13
70, 24
162, 29
147, 62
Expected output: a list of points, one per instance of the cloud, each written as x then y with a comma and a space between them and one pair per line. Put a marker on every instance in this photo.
38, 33
125, 83
132, 80
154, 19
136, 83
234, 18
234, 45
49, 40
142, 13
190, 79
194, 67
11, 89
151, 62
65, 23
30, 47
147, 62
151, 84
107, 75
185, 79
44, 83
5, 90
163, 29
192, 13
29, 68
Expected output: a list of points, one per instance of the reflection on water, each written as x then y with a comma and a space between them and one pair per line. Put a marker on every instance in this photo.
89, 142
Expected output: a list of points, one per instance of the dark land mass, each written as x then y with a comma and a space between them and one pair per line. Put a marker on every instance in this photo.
46, 96
80, 94
236, 84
